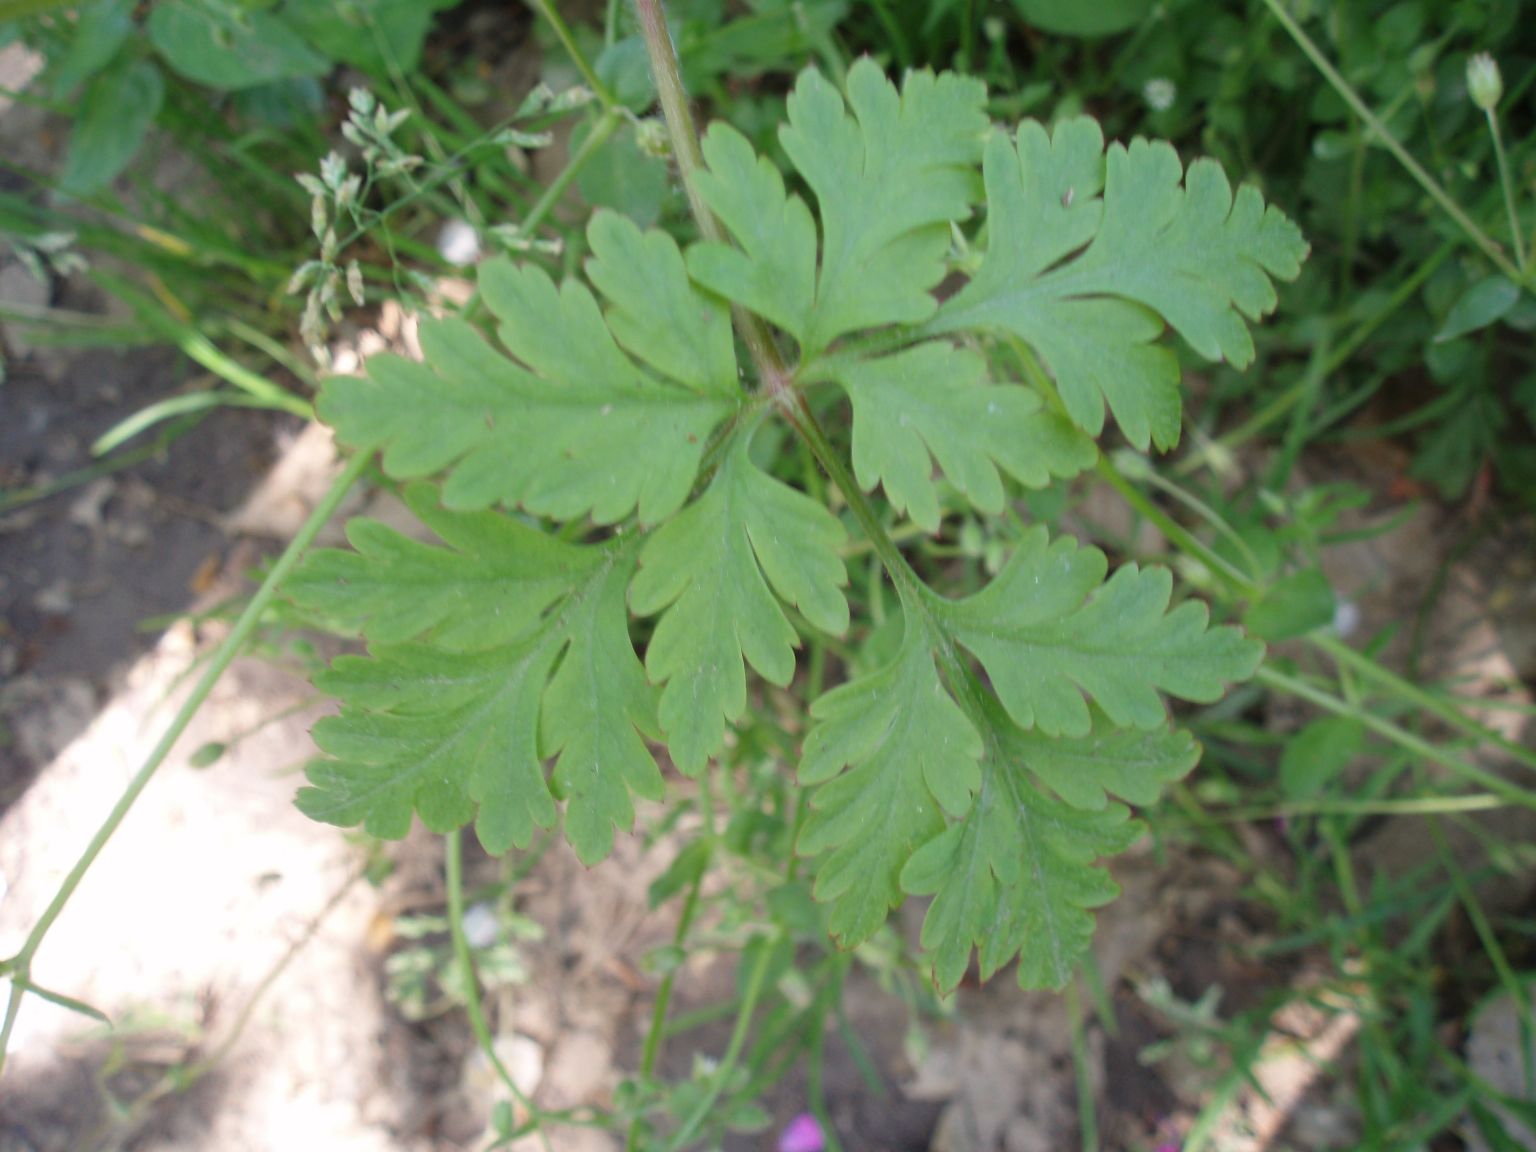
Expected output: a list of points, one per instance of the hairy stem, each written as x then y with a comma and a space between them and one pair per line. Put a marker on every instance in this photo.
19, 967
674, 106
684, 135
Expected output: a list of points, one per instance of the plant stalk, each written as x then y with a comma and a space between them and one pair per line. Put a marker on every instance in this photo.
1368, 669
733, 1048
655, 1035
674, 107
1508, 185
453, 869
1425, 181
19, 967
607, 124
562, 32
684, 135
1493, 782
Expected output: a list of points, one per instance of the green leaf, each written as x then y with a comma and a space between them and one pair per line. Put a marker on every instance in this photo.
99, 33
595, 712
717, 572
1016, 877
1132, 764
1087, 280
228, 46
774, 271
13, 10
1050, 632
774, 36
621, 176
911, 757
1317, 754
1010, 866
1484, 303
1292, 606
578, 427
890, 181
116, 113
492, 584
655, 313
1074, 18
378, 37
453, 734
932, 400
207, 755
984, 749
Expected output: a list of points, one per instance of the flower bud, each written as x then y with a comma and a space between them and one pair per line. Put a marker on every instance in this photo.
1484, 83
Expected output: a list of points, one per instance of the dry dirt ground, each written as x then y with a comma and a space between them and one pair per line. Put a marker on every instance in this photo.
232, 943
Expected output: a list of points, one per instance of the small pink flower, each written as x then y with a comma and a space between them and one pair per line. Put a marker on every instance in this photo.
803, 1134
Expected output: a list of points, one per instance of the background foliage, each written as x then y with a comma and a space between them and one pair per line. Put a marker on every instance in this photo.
1408, 329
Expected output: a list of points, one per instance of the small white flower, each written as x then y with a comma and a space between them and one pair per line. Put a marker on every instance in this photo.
481, 926
1346, 618
1160, 93
1484, 83
458, 243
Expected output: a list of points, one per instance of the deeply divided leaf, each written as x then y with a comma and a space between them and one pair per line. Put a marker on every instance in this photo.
960, 782
573, 426
489, 586
459, 728
1052, 634
601, 468
912, 758
1090, 253
1016, 877
889, 179
718, 573
930, 404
